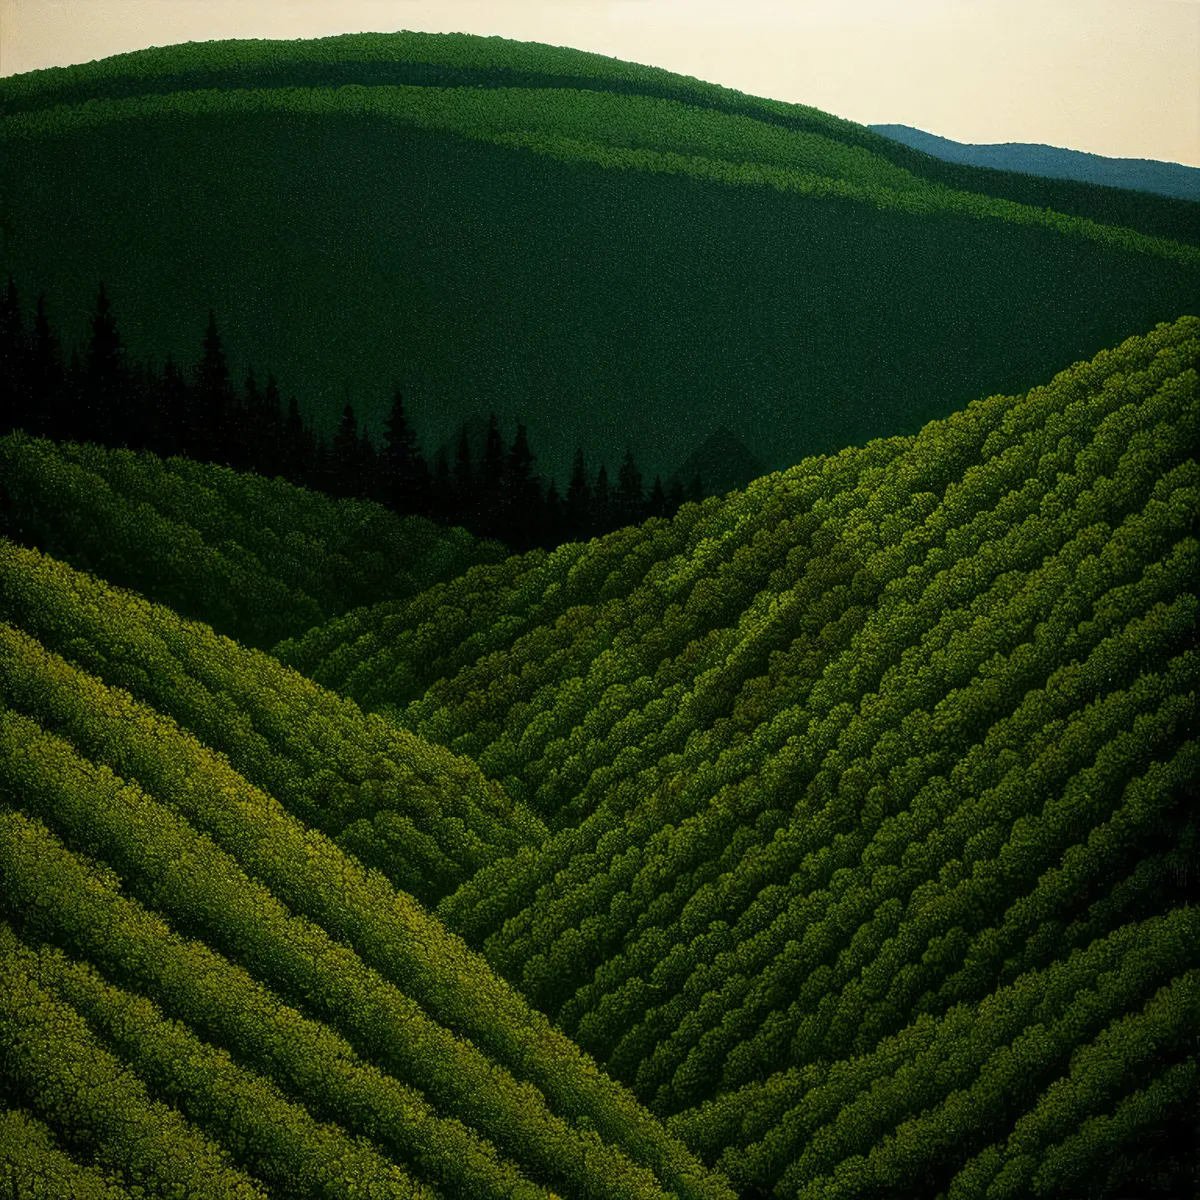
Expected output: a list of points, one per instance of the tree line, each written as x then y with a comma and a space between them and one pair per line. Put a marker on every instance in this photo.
103, 396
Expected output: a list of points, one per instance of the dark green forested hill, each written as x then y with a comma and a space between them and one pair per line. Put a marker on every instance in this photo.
612, 255
844, 767
833, 839
258, 559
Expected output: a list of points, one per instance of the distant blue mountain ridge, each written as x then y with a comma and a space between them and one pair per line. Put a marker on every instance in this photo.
1138, 174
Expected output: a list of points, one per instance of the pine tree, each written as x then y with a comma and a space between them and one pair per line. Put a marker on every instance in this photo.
441, 497
367, 482
554, 518
579, 499
171, 402
319, 463
493, 459
270, 448
675, 498
296, 449
602, 514
404, 473
247, 423
104, 379
138, 406
656, 506
695, 492
45, 378
629, 501
345, 453
211, 433
462, 506
522, 497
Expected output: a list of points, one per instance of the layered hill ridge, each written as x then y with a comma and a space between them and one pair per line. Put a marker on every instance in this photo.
1139, 174
458, 60
257, 559
433, 201
836, 761
835, 838
251, 1009
722, 461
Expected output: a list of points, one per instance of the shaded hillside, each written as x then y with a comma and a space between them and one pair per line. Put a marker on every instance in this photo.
466, 60
257, 559
610, 268
1139, 174
873, 794
203, 995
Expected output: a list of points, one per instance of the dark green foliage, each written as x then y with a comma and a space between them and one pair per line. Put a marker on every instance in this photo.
257, 559
843, 755
455, 60
870, 868
484, 205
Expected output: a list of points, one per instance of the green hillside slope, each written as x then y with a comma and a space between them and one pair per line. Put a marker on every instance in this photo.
465, 60
874, 788
257, 559
595, 262
204, 996
426, 818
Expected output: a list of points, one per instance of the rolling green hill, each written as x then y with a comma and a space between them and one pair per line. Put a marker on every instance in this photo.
506, 226
842, 768
257, 559
833, 839
203, 994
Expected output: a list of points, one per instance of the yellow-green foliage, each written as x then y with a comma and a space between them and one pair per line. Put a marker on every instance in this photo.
853, 748
514, 1083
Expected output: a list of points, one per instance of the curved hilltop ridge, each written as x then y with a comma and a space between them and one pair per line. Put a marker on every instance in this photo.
503, 226
455, 60
257, 559
845, 766
613, 131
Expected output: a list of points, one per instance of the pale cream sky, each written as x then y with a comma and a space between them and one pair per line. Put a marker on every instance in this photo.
1115, 77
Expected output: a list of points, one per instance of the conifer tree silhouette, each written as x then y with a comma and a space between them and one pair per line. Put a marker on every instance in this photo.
602, 514
554, 518
346, 454
579, 498
13, 402
522, 498
463, 497
45, 381
441, 497
656, 506
630, 501
104, 415
403, 472
675, 498
211, 433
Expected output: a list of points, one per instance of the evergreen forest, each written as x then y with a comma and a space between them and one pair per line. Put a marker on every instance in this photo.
395, 804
